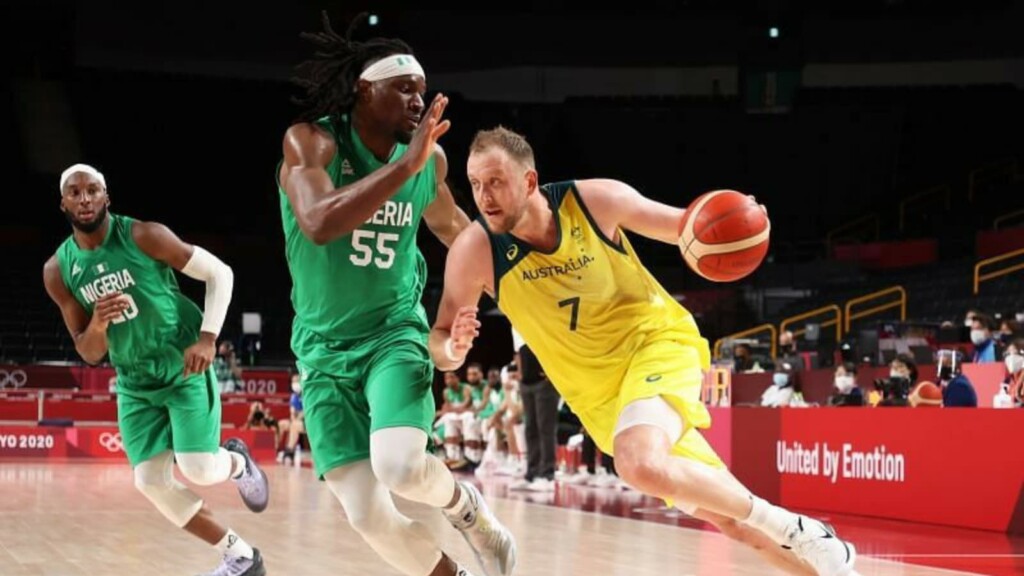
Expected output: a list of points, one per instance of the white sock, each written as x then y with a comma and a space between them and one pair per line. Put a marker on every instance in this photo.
464, 509
770, 519
237, 464
232, 545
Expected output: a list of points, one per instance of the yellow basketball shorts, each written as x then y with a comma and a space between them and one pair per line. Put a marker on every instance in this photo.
666, 368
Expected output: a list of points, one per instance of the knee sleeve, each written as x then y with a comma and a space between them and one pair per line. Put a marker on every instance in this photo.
407, 545
155, 479
204, 468
652, 412
400, 461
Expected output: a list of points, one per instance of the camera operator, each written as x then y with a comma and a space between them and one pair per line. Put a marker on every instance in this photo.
896, 388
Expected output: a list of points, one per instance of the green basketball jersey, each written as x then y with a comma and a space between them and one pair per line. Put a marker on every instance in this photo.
494, 401
454, 396
477, 394
147, 344
364, 283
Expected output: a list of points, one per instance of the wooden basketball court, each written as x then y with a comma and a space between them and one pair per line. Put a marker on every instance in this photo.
87, 519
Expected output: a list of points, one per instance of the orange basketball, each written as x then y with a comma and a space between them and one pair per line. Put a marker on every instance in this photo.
724, 235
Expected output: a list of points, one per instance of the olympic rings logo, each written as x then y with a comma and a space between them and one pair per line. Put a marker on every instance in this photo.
15, 378
112, 442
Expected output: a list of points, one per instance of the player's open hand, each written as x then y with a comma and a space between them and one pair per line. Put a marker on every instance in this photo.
465, 328
108, 308
430, 129
199, 356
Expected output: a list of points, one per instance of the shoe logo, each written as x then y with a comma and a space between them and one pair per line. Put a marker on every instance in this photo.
653, 377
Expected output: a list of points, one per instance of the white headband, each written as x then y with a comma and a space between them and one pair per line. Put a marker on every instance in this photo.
391, 66
81, 168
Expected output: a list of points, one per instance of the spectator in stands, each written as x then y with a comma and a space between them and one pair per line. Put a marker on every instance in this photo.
985, 347
1009, 330
782, 392
788, 351
1014, 359
229, 373
957, 390
742, 358
259, 419
847, 393
295, 425
902, 378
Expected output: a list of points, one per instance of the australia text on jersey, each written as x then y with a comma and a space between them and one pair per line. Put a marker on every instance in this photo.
572, 265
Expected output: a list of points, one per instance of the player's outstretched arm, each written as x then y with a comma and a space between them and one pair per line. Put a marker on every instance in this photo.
465, 278
326, 213
616, 204
89, 334
444, 217
160, 243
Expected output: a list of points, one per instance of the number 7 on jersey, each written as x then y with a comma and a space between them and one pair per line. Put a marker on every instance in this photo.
575, 314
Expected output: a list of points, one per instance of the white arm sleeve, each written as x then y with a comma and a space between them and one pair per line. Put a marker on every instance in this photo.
219, 280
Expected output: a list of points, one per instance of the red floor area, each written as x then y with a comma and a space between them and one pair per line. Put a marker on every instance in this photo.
976, 551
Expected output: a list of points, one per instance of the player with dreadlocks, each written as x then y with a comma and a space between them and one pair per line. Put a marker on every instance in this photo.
361, 168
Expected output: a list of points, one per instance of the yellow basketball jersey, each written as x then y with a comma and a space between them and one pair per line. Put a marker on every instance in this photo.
588, 306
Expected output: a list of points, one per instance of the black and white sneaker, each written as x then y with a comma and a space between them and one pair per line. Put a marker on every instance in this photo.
239, 566
816, 543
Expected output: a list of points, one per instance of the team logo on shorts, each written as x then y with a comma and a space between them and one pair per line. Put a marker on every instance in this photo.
653, 377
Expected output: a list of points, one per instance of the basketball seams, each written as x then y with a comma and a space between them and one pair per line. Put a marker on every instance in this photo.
697, 253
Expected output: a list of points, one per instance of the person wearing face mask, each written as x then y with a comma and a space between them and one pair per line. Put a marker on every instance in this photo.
1008, 331
1014, 382
782, 392
981, 337
957, 390
742, 358
847, 393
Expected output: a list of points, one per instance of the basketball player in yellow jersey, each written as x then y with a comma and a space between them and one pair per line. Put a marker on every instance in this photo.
623, 353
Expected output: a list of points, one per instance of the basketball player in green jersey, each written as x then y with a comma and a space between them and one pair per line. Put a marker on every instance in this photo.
114, 282
361, 169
